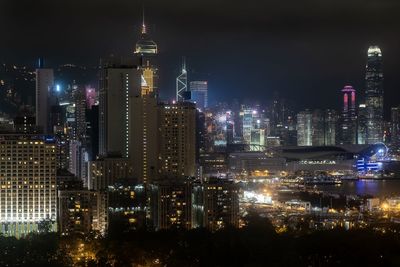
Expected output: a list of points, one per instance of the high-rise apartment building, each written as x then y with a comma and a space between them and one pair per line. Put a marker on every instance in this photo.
199, 93
215, 204
171, 204
177, 124
374, 95
28, 195
145, 138
82, 212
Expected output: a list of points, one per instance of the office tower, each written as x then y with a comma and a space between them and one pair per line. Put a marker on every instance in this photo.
105, 172
92, 130
395, 129
146, 51
200, 134
362, 124
44, 86
304, 128
374, 95
118, 82
330, 125
80, 112
28, 195
215, 204
177, 124
318, 128
247, 123
91, 96
170, 204
348, 120
82, 212
181, 84
199, 93
144, 146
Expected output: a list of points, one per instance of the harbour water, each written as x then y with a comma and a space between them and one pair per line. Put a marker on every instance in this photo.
376, 188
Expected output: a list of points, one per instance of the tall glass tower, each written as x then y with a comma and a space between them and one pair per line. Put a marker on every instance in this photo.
374, 95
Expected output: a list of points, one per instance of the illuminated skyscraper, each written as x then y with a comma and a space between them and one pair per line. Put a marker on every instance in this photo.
304, 128
181, 83
44, 87
144, 150
199, 93
374, 95
146, 50
348, 125
28, 193
330, 123
318, 128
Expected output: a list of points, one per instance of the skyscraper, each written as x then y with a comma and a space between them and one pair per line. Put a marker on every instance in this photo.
348, 125
144, 133
362, 124
330, 123
374, 95
28, 194
304, 128
146, 50
177, 124
44, 86
118, 83
181, 83
199, 93
395, 129
144, 150
318, 128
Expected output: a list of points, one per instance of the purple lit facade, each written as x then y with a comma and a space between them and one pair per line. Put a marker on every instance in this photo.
348, 125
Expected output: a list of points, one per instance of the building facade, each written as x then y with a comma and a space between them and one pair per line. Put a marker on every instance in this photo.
28, 195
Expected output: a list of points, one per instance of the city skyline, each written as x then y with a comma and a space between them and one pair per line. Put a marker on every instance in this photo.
288, 58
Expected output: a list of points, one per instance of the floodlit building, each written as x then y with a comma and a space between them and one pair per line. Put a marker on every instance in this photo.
28, 193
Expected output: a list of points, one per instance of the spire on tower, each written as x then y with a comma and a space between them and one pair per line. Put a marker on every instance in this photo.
143, 24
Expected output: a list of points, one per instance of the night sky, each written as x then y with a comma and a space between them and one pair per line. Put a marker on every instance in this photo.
306, 50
